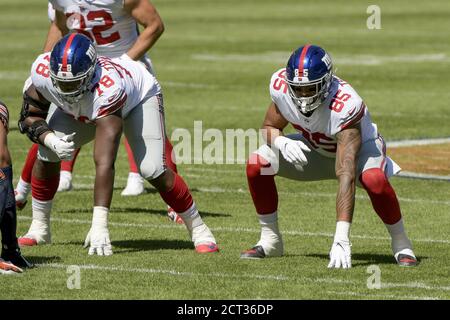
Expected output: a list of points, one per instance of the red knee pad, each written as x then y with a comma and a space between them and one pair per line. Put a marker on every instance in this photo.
382, 195
374, 180
254, 165
262, 185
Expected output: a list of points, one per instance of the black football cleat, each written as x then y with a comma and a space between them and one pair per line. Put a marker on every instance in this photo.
257, 252
406, 260
16, 258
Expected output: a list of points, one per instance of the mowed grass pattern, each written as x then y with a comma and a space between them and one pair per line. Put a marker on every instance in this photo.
214, 62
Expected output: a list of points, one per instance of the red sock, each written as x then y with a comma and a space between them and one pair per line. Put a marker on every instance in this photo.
44, 189
170, 157
178, 197
67, 165
262, 186
29, 162
131, 162
382, 195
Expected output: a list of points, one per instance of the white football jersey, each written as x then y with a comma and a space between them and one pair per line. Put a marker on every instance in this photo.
105, 21
116, 84
342, 108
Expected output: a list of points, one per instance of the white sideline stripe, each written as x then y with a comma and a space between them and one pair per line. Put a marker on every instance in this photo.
13, 76
392, 296
416, 142
280, 57
416, 285
169, 272
229, 229
414, 175
188, 85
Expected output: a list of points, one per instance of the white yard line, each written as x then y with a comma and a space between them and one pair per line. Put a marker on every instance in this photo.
389, 296
244, 191
240, 276
190, 85
229, 229
414, 175
320, 195
168, 272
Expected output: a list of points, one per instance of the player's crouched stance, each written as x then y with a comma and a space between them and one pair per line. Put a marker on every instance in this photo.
340, 140
98, 97
11, 260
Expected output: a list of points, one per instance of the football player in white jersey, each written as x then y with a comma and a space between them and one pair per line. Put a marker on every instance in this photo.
336, 139
113, 25
96, 99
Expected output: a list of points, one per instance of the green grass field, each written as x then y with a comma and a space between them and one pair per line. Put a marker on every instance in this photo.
214, 62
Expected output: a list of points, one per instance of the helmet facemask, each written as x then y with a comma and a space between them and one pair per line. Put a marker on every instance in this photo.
70, 88
308, 95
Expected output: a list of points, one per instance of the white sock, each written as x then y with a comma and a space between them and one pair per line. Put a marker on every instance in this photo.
23, 187
198, 230
63, 174
134, 176
270, 234
41, 216
191, 217
399, 238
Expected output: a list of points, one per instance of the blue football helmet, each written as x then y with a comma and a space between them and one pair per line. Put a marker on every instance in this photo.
309, 72
72, 66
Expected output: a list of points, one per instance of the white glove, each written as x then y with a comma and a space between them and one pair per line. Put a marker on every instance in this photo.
340, 255
97, 238
63, 147
292, 150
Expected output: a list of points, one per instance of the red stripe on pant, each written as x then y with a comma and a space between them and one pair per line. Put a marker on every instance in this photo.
383, 197
178, 197
131, 162
44, 189
29, 162
262, 187
170, 157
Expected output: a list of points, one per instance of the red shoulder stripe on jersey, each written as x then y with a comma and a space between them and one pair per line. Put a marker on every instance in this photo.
118, 98
66, 52
302, 58
110, 109
354, 119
